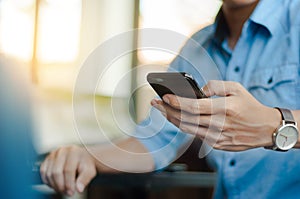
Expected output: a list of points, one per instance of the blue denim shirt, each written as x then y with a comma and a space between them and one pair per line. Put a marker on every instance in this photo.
266, 62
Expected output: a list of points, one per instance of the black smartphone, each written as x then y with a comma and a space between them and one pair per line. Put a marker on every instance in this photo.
180, 84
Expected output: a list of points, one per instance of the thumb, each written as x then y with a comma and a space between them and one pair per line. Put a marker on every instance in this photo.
220, 88
85, 175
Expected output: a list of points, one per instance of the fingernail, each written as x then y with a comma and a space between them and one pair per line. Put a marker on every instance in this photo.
166, 99
80, 187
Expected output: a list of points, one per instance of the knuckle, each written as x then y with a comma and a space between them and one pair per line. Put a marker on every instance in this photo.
60, 151
49, 175
69, 149
57, 172
73, 148
174, 101
230, 109
84, 166
237, 87
68, 171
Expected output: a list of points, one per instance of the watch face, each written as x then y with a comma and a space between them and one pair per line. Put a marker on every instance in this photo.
287, 137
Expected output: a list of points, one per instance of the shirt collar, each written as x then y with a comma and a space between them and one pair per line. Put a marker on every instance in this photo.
267, 14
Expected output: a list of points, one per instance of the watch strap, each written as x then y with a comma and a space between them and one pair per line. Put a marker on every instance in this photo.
286, 115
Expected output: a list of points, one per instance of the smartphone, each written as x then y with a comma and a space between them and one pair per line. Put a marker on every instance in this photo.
180, 84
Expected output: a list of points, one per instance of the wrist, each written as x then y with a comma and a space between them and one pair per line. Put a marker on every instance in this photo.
273, 120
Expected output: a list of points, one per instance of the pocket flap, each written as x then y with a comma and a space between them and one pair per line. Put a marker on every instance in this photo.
271, 77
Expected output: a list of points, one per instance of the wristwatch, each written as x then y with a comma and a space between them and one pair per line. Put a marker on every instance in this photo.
286, 135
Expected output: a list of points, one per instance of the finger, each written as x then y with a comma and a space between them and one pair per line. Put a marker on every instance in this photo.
158, 104
196, 106
177, 115
210, 135
70, 170
169, 112
231, 147
190, 128
85, 175
49, 172
216, 122
221, 88
57, 170
43, 170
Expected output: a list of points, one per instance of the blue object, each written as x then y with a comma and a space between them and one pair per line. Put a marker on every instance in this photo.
16, 150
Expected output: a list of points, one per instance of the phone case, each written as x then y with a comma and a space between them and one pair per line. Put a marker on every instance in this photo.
180, 84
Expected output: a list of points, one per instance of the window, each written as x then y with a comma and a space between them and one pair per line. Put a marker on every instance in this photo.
58, 29
17, 27
43, 33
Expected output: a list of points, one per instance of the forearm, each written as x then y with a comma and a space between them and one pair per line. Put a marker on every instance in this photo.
125, 156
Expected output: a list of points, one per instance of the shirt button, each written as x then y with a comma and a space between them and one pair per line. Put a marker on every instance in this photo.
237, 69
270, 80
232, 163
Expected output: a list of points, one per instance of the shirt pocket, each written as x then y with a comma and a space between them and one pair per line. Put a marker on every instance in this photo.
276, 86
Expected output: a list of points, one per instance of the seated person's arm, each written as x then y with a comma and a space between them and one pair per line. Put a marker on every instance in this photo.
70, 169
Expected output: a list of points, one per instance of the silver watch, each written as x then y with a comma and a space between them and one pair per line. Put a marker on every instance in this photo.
286, 135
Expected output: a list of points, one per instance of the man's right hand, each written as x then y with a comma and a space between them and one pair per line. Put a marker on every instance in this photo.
68, 169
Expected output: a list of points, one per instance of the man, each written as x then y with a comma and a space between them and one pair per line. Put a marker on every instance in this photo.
256, 46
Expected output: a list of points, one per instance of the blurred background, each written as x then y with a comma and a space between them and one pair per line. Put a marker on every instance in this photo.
51, 39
